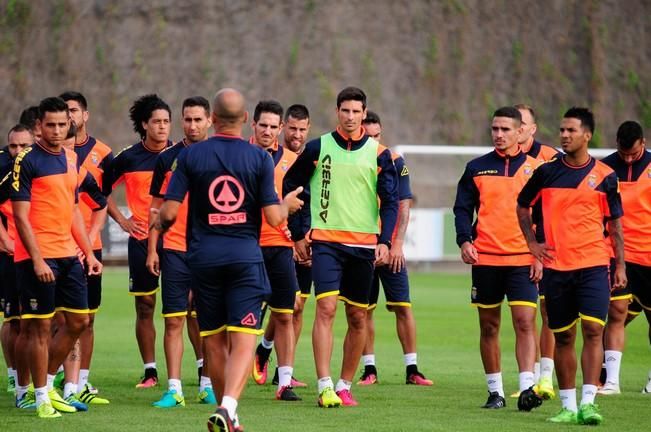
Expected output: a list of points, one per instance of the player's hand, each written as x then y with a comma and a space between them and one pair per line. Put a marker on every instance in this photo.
381, 255
396, 257
7, 246
292, 201
93, 265
541, 251
303, 250
134, 228
153, 263
469, 253
286, 232
43, 271
620, 280
536, 271
80, 254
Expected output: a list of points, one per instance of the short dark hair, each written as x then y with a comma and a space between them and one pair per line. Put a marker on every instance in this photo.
29, 116
628, 134
196, 101
372, 118
510, 112
51, 104
584, 115
72, 130
75, 96
526, 107
351, 93
270, 106
19, 128
142, 109
297, 111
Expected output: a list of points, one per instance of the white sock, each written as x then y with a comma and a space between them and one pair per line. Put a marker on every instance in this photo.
411, 359
267, 344
20, 391
613, 363
324, 383
588, 393
546, 367
175, 384
536, 371
11, 372
41, 396
199, 363
285, 376
230, 404
50, 382
368, 359
151, 365
83, 378
69, 389
494, 382
568, 399
60, 369
343, 385
204, 383
526, 380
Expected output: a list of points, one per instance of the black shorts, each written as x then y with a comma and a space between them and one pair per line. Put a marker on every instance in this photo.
67, 293
304, 278
281, 270
620, 293
141, 281
343, 271
574, 294
230, 297
491, 283
639, 281
176, 279
95, 286
395, 286
9, 299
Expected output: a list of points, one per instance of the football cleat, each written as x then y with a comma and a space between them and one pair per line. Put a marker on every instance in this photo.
609, 389
647, 387
11, 384
73, 401
46, 411
367, 379
418, 378
294, 382
347, 398
545, 388
528, 400
494, 401
60, 404
564, 416
220, 421
207, 397
328, 398
28, 401
150, 379
170, 399
59, 380
286, 393
589, 415
260, 365
89, 397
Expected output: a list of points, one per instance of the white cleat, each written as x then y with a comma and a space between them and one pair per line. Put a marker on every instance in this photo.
647, 387
609, 389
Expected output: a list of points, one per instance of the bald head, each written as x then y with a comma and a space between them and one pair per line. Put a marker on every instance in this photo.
228, 108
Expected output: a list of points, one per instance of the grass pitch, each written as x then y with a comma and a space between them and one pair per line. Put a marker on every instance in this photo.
447, 352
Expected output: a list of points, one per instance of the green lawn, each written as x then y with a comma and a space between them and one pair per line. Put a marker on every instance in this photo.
448, 353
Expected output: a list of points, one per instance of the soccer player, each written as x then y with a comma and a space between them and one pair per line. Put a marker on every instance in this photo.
278, 254
230, 184
134, 166
344, 167
632, 165
49, 274
395, 281
577, 194
29, 118
497, 251
172, 262
93, 157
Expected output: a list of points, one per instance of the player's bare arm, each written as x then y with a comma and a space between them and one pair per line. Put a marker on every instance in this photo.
396, 254
615, 232
277, 214
153, 260
539, 250
167, 215
94, 267
128, 225
24, 227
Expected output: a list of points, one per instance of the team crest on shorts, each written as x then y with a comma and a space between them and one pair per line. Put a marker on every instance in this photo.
592, 181
473, 293
528, 169
130, 284
249, 320
33, 303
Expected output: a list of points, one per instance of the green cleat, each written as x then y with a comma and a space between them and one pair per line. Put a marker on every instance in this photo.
170, 399
545, 388
73, 401
28, 401
565, 416
46, 411
329, 399
11, 385
60, 404
207, 397
59, 380
89, 397
589, 415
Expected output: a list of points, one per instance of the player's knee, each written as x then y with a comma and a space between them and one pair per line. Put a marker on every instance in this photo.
283, 319
592, 332
563, 339
174, 324
402, 312
524, 325
489, 328
76, 323
356, 318
144, 309
326, 310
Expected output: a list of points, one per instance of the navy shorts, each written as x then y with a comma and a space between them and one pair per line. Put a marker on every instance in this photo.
229, 297
176, 283
574, 294
95, 286
9, 299
281, 270
491, 283
620, 293
395, 286
639, 281
141, 281
67, 293
304, 278
344, 271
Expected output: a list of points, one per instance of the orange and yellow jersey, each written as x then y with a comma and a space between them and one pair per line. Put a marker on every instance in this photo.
635, 189
541, 152
96, 157
135, 167
576, 201
283, 160
175, 238
49, 181
489, 188
6, 210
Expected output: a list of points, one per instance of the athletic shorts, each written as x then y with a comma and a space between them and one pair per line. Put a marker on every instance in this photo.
395, 286
229, 297
491, 283
141, 281
176, 283
68, 292
9, 299
620, 293
344, 271
304, 278
281, 270
574, 294
639, 281
94, 286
